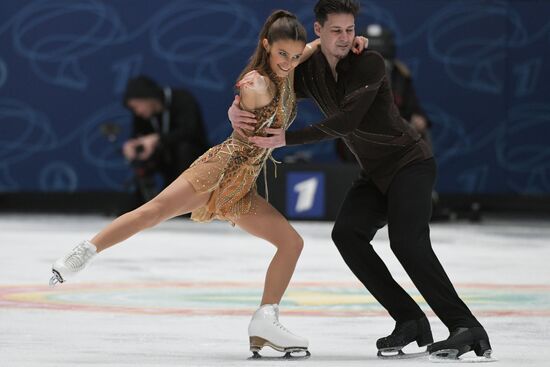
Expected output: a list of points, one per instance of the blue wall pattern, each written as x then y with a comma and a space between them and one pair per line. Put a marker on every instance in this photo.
481, 69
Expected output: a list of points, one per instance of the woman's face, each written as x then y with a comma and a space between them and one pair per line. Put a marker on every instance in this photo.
284, 55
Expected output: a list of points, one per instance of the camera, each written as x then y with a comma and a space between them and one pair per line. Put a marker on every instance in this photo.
143, 178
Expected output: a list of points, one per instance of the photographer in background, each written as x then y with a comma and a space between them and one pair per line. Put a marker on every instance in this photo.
382, 40
167, 134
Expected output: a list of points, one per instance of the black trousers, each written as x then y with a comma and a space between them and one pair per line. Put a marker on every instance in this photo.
406, 209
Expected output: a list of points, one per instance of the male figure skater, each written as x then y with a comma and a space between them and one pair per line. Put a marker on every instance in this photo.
394, 188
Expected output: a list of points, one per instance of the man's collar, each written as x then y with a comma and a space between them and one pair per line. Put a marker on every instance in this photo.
342, 66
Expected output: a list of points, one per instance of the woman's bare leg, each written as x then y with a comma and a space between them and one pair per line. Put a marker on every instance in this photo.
267, 223
176, 199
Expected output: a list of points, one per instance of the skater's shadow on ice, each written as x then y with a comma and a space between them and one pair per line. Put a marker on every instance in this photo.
343, 358
314, 359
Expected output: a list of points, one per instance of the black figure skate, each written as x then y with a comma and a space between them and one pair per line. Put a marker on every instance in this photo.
462, 340
390, 347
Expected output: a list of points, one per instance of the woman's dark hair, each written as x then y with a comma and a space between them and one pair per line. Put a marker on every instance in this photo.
280, 25
326, 7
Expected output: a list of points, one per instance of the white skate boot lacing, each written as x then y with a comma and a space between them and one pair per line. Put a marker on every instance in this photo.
280, 326
78, 257
276, 321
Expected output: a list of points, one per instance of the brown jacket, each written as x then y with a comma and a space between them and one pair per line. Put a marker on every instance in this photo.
360, 109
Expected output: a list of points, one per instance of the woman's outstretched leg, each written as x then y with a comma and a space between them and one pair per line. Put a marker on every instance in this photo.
264, 329
177, 199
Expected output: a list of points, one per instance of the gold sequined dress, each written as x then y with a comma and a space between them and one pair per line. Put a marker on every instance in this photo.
229, 170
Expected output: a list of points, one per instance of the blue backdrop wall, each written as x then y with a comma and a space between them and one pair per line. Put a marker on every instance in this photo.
481, 69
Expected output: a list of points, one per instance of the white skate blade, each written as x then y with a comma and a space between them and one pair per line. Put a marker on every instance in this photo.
449, 356
393, 353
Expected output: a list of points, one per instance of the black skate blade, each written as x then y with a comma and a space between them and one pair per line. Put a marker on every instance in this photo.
450, 356
393, 353
288, 356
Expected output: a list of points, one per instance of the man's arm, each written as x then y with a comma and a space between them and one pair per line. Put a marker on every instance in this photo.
335, 126
351, 114
340, 124
242, 120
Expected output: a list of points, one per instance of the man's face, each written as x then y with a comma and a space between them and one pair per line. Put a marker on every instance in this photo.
143, 107
337, 34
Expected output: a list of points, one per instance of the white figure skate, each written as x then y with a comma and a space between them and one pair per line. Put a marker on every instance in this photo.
75, 261
265, 330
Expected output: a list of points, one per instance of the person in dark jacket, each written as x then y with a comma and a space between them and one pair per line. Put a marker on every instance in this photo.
167, 133
382, 40
397, 177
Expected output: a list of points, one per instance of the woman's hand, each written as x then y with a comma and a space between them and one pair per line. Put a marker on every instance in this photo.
360, 43
276, 140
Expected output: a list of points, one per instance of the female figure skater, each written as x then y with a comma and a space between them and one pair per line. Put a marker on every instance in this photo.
221, 183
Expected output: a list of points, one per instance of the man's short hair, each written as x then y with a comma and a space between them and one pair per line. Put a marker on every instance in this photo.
326, 7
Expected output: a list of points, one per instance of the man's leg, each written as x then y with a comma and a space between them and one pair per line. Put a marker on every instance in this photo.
363, 212
409, 211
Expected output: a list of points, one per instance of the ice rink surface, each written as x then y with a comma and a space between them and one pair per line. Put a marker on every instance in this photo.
182, 294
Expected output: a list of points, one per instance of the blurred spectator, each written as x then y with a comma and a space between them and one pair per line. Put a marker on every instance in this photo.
167, 133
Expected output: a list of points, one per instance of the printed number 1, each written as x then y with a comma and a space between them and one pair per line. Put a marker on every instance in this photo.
306, 194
